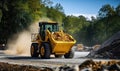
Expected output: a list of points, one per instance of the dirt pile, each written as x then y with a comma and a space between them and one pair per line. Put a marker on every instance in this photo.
90, 65
14, 67
96, 47
109, 49
80, 47
61, 36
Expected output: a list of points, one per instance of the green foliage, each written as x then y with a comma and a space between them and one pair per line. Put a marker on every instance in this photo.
106, 11
34, 8
73, 25
118, 10
47, 2
59, 7
55, 15
17, 15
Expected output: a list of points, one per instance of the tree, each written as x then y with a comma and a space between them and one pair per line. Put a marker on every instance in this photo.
55, 15
59, 7
17, 15
35, 8
74, 25
106, 11
118, 10
47, 2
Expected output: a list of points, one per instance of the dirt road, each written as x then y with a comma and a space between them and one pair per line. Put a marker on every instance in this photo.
52, 63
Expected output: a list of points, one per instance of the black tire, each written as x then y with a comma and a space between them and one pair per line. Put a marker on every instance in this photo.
70, 54
34, 50
58, 56
45, 51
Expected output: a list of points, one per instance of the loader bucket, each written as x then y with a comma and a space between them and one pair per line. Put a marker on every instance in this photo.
62, 47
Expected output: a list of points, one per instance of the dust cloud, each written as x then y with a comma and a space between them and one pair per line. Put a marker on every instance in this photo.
20, 43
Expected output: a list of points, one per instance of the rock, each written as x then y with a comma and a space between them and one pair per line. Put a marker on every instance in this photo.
80, 47
66, 68
90, 65
86, 69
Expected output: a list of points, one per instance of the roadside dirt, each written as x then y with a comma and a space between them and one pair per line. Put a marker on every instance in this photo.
88, 65
15, 67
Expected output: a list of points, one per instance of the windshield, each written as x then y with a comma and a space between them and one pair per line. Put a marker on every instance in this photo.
51, 28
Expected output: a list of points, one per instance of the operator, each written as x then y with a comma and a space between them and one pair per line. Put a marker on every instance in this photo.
49, 29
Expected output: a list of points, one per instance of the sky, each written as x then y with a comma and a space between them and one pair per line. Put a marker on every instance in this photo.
86, 8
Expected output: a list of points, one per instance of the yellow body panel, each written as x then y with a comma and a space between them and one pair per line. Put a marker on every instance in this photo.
62, 47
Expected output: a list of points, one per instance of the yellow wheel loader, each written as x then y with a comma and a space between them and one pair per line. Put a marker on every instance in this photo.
51, 40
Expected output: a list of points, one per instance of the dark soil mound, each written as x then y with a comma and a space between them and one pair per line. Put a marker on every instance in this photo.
109, 49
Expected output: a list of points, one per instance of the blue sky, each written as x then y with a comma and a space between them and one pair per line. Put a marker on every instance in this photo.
84, 7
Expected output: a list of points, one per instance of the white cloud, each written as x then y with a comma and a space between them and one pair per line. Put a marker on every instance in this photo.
88, 16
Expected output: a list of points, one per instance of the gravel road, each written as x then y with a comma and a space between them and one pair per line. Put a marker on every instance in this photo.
53, 63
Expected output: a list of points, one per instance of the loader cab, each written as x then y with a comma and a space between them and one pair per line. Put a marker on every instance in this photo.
52, 27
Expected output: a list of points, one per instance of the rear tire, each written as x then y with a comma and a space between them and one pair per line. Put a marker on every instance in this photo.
45, 51
70, 54
34, 49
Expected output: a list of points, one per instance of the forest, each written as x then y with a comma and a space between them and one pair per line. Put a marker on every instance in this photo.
17, 15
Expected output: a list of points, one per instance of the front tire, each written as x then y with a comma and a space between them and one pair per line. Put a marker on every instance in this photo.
34, 50
45, 51
70, 54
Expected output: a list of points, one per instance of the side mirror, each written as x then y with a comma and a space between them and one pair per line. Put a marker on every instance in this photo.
40, 24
